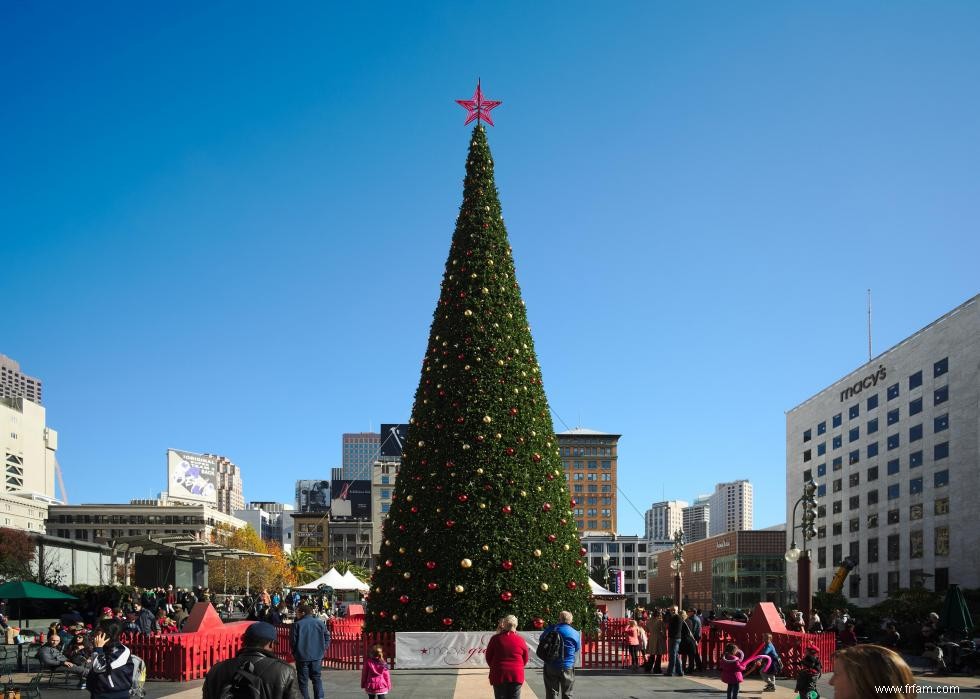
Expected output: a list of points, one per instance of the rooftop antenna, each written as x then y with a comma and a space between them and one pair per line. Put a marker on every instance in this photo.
869, 325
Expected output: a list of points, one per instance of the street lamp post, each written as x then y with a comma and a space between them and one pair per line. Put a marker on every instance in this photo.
677, 563
802, 558
605, 568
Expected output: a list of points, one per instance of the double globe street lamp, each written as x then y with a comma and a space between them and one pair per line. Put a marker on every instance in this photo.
808, 531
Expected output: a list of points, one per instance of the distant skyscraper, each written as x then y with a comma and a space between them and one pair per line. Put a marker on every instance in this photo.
360, 453
590, 462
663, 519
731, 507
14, 384
228, 482
697, 519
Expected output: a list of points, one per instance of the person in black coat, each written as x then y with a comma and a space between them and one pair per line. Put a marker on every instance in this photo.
674, 629
278, 678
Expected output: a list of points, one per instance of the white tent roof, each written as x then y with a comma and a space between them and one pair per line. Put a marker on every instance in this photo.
599, 591
332, 578
355, 584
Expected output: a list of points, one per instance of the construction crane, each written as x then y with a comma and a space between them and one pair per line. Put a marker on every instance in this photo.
61, 482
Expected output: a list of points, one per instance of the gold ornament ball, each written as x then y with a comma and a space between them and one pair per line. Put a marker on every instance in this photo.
406, 575
394, 617
401, 549
480, 471
544, 587
566, 547
460, 589
466, 563
467, 312
409, 498
429, 609
523, 493
483, 505
537, 553
487, 419
485, 548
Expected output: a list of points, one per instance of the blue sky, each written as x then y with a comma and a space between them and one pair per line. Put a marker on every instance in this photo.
223, 225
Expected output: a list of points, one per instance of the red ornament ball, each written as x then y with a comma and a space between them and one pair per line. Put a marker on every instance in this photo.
507, 565
383, 614
546, 507
509, 451
572, 584
582, 551
447, 621
550, 476
506, 509
414, 510
433, 586
388, 563
450, 523
536, 458
506, 595
574, 502
463, 498
480, 438
513, 411
552, 538
538, 622
403, 599
430, 565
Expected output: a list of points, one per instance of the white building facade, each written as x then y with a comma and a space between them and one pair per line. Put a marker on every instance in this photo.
629, 554
29, 447
697, 519
663, 519
893, 447
731, 507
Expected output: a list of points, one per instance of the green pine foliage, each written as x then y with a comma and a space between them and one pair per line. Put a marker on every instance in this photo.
480, 524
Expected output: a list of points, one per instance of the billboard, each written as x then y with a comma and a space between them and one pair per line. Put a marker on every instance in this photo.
350, 501
392, 439
312, 496
192, 476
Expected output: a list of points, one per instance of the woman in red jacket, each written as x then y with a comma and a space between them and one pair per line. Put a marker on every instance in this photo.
507, 655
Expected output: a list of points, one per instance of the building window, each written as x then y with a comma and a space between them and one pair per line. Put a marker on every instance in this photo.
837, 507
872, 497
940, 423
872, 449
854, 480
838, 485
837, 420
915, 459
940, 367
915, 486
821, 448
893, 391
853, 411
892, 416
942, 541
822, 428
915, 433
893, 581
940, 395
915, 407
873, 550
872, 426
873, 473
940, 451
940, 581
854, 502
873, 520
837, 442
821, 511
806, 436
915, 511
872, 579
915, 380
854, 525
822, 532
894, 517
853, 457
873, 402
822, 490
893, 547
837, 554
940, 479
942, 506
838, 463
893, 467
806, 455
822, 557
822, 469
854, 434
893, 491
893, 441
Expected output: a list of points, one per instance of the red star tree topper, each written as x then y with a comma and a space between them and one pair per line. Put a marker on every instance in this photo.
478, 107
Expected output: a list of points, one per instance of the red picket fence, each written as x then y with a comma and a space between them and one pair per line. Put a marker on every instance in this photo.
349, 644
184, 657
791, 646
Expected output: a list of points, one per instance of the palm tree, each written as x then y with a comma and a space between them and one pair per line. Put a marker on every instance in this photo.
359, 572
304, 566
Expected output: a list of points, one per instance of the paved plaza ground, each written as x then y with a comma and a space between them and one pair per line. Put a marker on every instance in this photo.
589, 684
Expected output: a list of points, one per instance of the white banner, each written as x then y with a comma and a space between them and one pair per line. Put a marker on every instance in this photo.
414, 651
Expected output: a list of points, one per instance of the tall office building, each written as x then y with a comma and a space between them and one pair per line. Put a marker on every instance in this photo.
590, 459
360, 453
229, 485
15, 384
697, 519
28, 447
731, 507
895, 451
272, 520
663, 519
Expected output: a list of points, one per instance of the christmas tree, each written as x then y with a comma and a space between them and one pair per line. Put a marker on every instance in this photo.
480, 524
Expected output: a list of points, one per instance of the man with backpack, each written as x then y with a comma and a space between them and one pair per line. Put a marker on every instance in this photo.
557, 646
255, 673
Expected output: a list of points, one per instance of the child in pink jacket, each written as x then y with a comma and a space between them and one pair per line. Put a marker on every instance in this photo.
375, 679
732, 665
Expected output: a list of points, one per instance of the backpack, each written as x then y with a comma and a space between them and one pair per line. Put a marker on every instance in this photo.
244, 684
139, 677
551, 647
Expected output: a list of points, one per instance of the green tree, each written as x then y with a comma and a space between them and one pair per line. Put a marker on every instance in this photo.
304, 566
359, 572
480, 525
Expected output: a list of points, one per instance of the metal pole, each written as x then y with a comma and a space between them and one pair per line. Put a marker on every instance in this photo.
803, 583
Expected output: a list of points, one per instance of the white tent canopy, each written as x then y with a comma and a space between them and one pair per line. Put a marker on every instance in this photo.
615, 604
599, 591
332, 578
354, 584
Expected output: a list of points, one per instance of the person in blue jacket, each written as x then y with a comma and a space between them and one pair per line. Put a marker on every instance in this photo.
559, 675
310, 639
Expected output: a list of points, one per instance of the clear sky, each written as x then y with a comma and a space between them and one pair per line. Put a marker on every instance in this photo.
223, 225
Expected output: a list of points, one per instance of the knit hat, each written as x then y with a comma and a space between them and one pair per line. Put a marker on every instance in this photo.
260, 631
